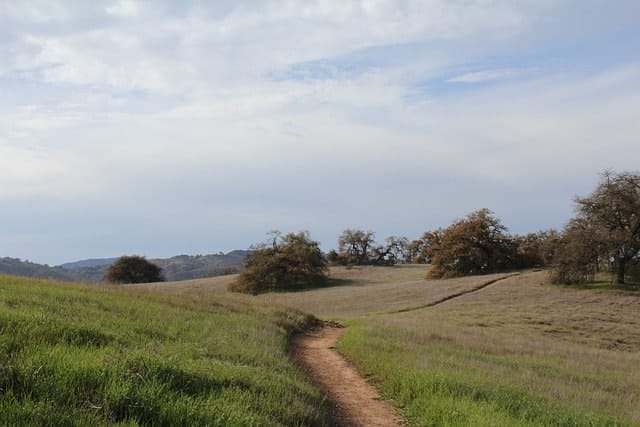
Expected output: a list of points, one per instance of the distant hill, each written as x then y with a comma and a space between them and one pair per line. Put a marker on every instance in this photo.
93, 262
181, 267
184, 267
18, 267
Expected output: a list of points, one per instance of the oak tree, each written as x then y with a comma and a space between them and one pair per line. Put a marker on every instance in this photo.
288, 262
133, 269
614, 207
476, 244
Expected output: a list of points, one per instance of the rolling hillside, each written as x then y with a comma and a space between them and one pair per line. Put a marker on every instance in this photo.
78, 355
518, 352
483, 351
181, 267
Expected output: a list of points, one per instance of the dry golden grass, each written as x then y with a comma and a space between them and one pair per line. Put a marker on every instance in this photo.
527, 306
383, 293
576, 348
355, 290
524, 305
572, 351
209, 285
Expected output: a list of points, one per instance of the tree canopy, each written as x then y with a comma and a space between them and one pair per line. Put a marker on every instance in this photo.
133, 269
292, 261
476, 244
359, 247
355, 246
579, 256
606, 230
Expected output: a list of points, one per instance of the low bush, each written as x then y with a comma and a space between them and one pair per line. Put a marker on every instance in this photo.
134, 269
289, 262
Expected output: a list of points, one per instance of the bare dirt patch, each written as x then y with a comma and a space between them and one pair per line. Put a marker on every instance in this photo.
355, 401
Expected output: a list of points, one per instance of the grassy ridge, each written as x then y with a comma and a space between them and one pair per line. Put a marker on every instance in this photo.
516, 354
72, 355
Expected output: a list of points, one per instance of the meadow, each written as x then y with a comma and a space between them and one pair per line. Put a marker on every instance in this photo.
508, 350
78, 355
518, 352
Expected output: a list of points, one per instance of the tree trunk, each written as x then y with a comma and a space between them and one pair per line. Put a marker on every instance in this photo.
620, 272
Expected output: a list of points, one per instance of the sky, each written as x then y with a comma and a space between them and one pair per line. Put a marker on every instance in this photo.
189, 127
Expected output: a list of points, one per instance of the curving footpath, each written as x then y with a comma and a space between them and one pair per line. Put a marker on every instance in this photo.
355, 402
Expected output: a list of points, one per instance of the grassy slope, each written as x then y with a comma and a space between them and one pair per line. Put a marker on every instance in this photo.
72, 355
517, 353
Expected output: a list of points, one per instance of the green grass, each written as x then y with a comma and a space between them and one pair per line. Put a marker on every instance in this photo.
440, 385
73, 355
516, 354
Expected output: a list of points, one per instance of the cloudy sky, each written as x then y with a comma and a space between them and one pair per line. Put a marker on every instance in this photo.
160, 128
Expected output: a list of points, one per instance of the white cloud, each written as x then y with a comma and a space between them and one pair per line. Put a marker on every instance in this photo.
32, 117
486, 75
25, 171
38, 11
81, 61
177, 112
124, 8
212, 46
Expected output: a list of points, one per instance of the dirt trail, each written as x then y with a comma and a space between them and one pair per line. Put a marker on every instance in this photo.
356, 402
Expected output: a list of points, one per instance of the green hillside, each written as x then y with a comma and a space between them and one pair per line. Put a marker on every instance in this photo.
180, 267
75, 355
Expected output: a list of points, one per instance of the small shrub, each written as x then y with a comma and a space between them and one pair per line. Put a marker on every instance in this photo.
570, 271
133, 269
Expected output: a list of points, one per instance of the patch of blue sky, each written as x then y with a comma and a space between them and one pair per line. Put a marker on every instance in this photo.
590, 50
576, 57
467, 77
353, 64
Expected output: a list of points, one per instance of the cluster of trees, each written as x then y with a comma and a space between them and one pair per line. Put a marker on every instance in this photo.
605, 233
287, 262
359, 247
476, 244
480, 244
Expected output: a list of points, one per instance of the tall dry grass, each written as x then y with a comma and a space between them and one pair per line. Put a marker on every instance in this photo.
520, 352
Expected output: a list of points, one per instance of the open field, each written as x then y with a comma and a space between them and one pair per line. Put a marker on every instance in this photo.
519, 352
356, 290
74, 355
